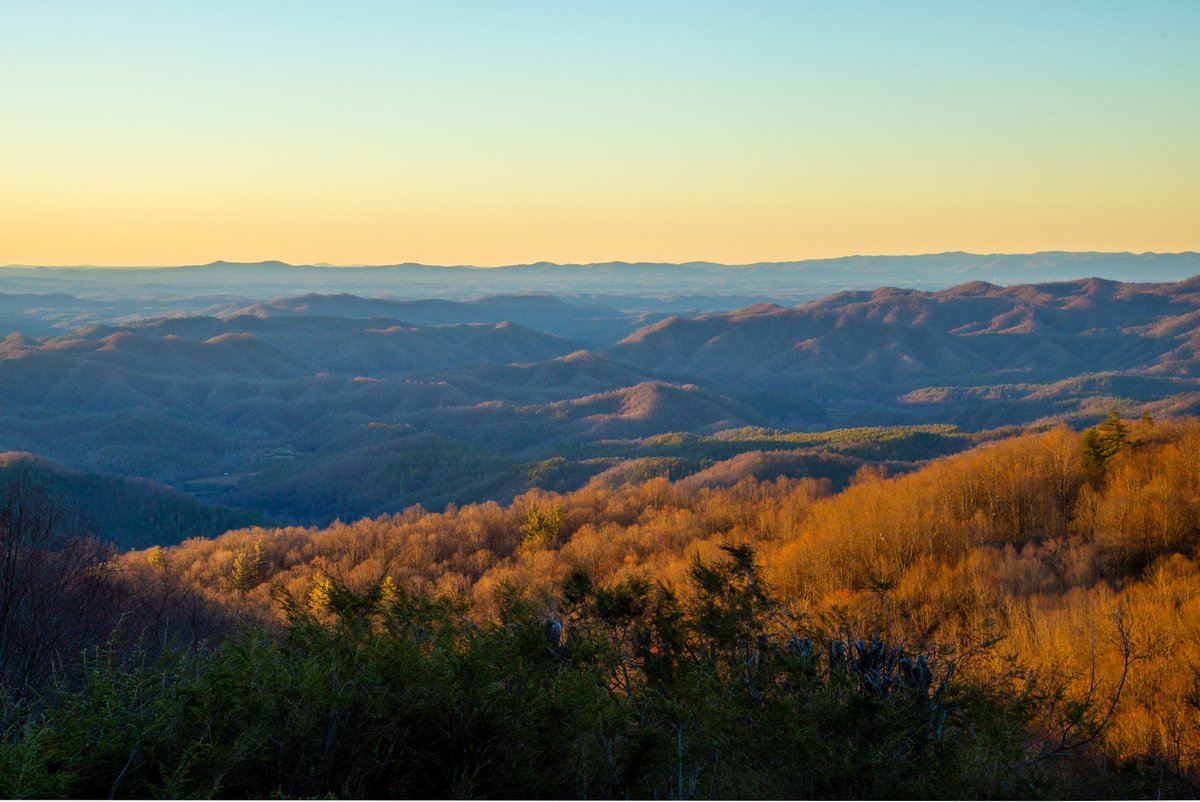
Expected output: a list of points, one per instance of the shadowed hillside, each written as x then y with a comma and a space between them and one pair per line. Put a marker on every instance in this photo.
130, 513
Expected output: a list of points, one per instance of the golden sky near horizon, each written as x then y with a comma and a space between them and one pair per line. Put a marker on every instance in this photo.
473, 133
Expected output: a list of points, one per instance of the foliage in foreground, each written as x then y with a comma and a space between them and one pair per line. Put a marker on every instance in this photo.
618, 691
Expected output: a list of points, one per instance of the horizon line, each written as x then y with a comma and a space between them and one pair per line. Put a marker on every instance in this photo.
331, 265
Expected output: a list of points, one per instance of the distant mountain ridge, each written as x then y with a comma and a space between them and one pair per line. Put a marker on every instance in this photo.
799, 280
1033, 260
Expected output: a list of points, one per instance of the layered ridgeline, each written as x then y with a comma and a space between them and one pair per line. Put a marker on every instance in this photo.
1017, 621
311, 408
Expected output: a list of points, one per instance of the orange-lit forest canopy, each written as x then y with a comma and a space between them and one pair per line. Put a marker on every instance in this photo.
1022, 619
1024, 549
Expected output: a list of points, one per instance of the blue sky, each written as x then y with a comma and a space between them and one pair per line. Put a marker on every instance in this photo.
497, 132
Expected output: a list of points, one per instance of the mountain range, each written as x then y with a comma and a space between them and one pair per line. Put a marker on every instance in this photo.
702, 285
309, 407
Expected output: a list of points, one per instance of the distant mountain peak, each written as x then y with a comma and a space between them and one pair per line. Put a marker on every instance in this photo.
222, 264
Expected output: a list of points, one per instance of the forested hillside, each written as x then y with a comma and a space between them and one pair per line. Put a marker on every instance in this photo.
130, 513
1043, 590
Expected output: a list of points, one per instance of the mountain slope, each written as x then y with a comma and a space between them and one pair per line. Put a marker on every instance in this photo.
882, 344
131, 513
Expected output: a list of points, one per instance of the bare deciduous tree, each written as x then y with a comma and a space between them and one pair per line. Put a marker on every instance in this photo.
55, 597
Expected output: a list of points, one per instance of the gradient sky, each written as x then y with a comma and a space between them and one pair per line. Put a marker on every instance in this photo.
489, 133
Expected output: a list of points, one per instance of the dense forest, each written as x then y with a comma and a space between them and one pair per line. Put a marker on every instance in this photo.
1018, 619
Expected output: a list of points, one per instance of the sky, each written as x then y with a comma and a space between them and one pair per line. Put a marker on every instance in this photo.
449, 132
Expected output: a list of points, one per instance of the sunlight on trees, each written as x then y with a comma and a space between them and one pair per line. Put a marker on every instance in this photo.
1069, 586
